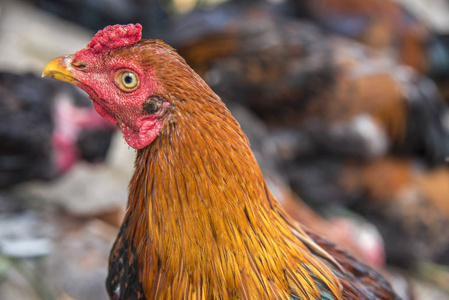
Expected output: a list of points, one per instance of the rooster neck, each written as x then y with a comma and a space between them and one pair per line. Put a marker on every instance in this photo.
204, 217
201, 186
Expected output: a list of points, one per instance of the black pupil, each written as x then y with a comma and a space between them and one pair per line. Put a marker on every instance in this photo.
128, 79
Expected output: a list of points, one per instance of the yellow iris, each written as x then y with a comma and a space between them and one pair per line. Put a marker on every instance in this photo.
127, 81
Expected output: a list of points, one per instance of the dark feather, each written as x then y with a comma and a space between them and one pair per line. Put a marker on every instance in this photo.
123, 281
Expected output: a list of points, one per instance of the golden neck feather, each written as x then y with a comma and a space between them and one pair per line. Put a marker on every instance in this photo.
206, 225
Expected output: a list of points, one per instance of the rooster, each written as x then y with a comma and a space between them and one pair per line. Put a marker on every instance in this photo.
201, 222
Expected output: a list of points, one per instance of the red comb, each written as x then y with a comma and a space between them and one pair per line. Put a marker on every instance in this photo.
112, 37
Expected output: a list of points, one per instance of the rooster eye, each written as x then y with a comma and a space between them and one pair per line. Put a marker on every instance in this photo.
126, 81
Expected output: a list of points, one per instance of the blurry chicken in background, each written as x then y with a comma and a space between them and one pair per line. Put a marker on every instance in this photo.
351, 126
388, 26
380, 24
45, 129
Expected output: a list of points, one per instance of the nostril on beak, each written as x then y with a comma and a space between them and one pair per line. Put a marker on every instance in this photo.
78, 64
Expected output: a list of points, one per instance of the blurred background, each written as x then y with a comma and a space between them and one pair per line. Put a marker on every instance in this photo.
345, 103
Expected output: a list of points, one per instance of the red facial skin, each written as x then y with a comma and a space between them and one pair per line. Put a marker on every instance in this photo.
96, 69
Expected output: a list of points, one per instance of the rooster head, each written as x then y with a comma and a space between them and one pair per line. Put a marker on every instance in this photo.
117, 71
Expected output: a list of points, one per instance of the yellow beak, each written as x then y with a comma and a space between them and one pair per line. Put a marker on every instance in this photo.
60, 68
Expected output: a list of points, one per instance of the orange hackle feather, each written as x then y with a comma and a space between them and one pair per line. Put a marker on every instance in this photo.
207, 225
